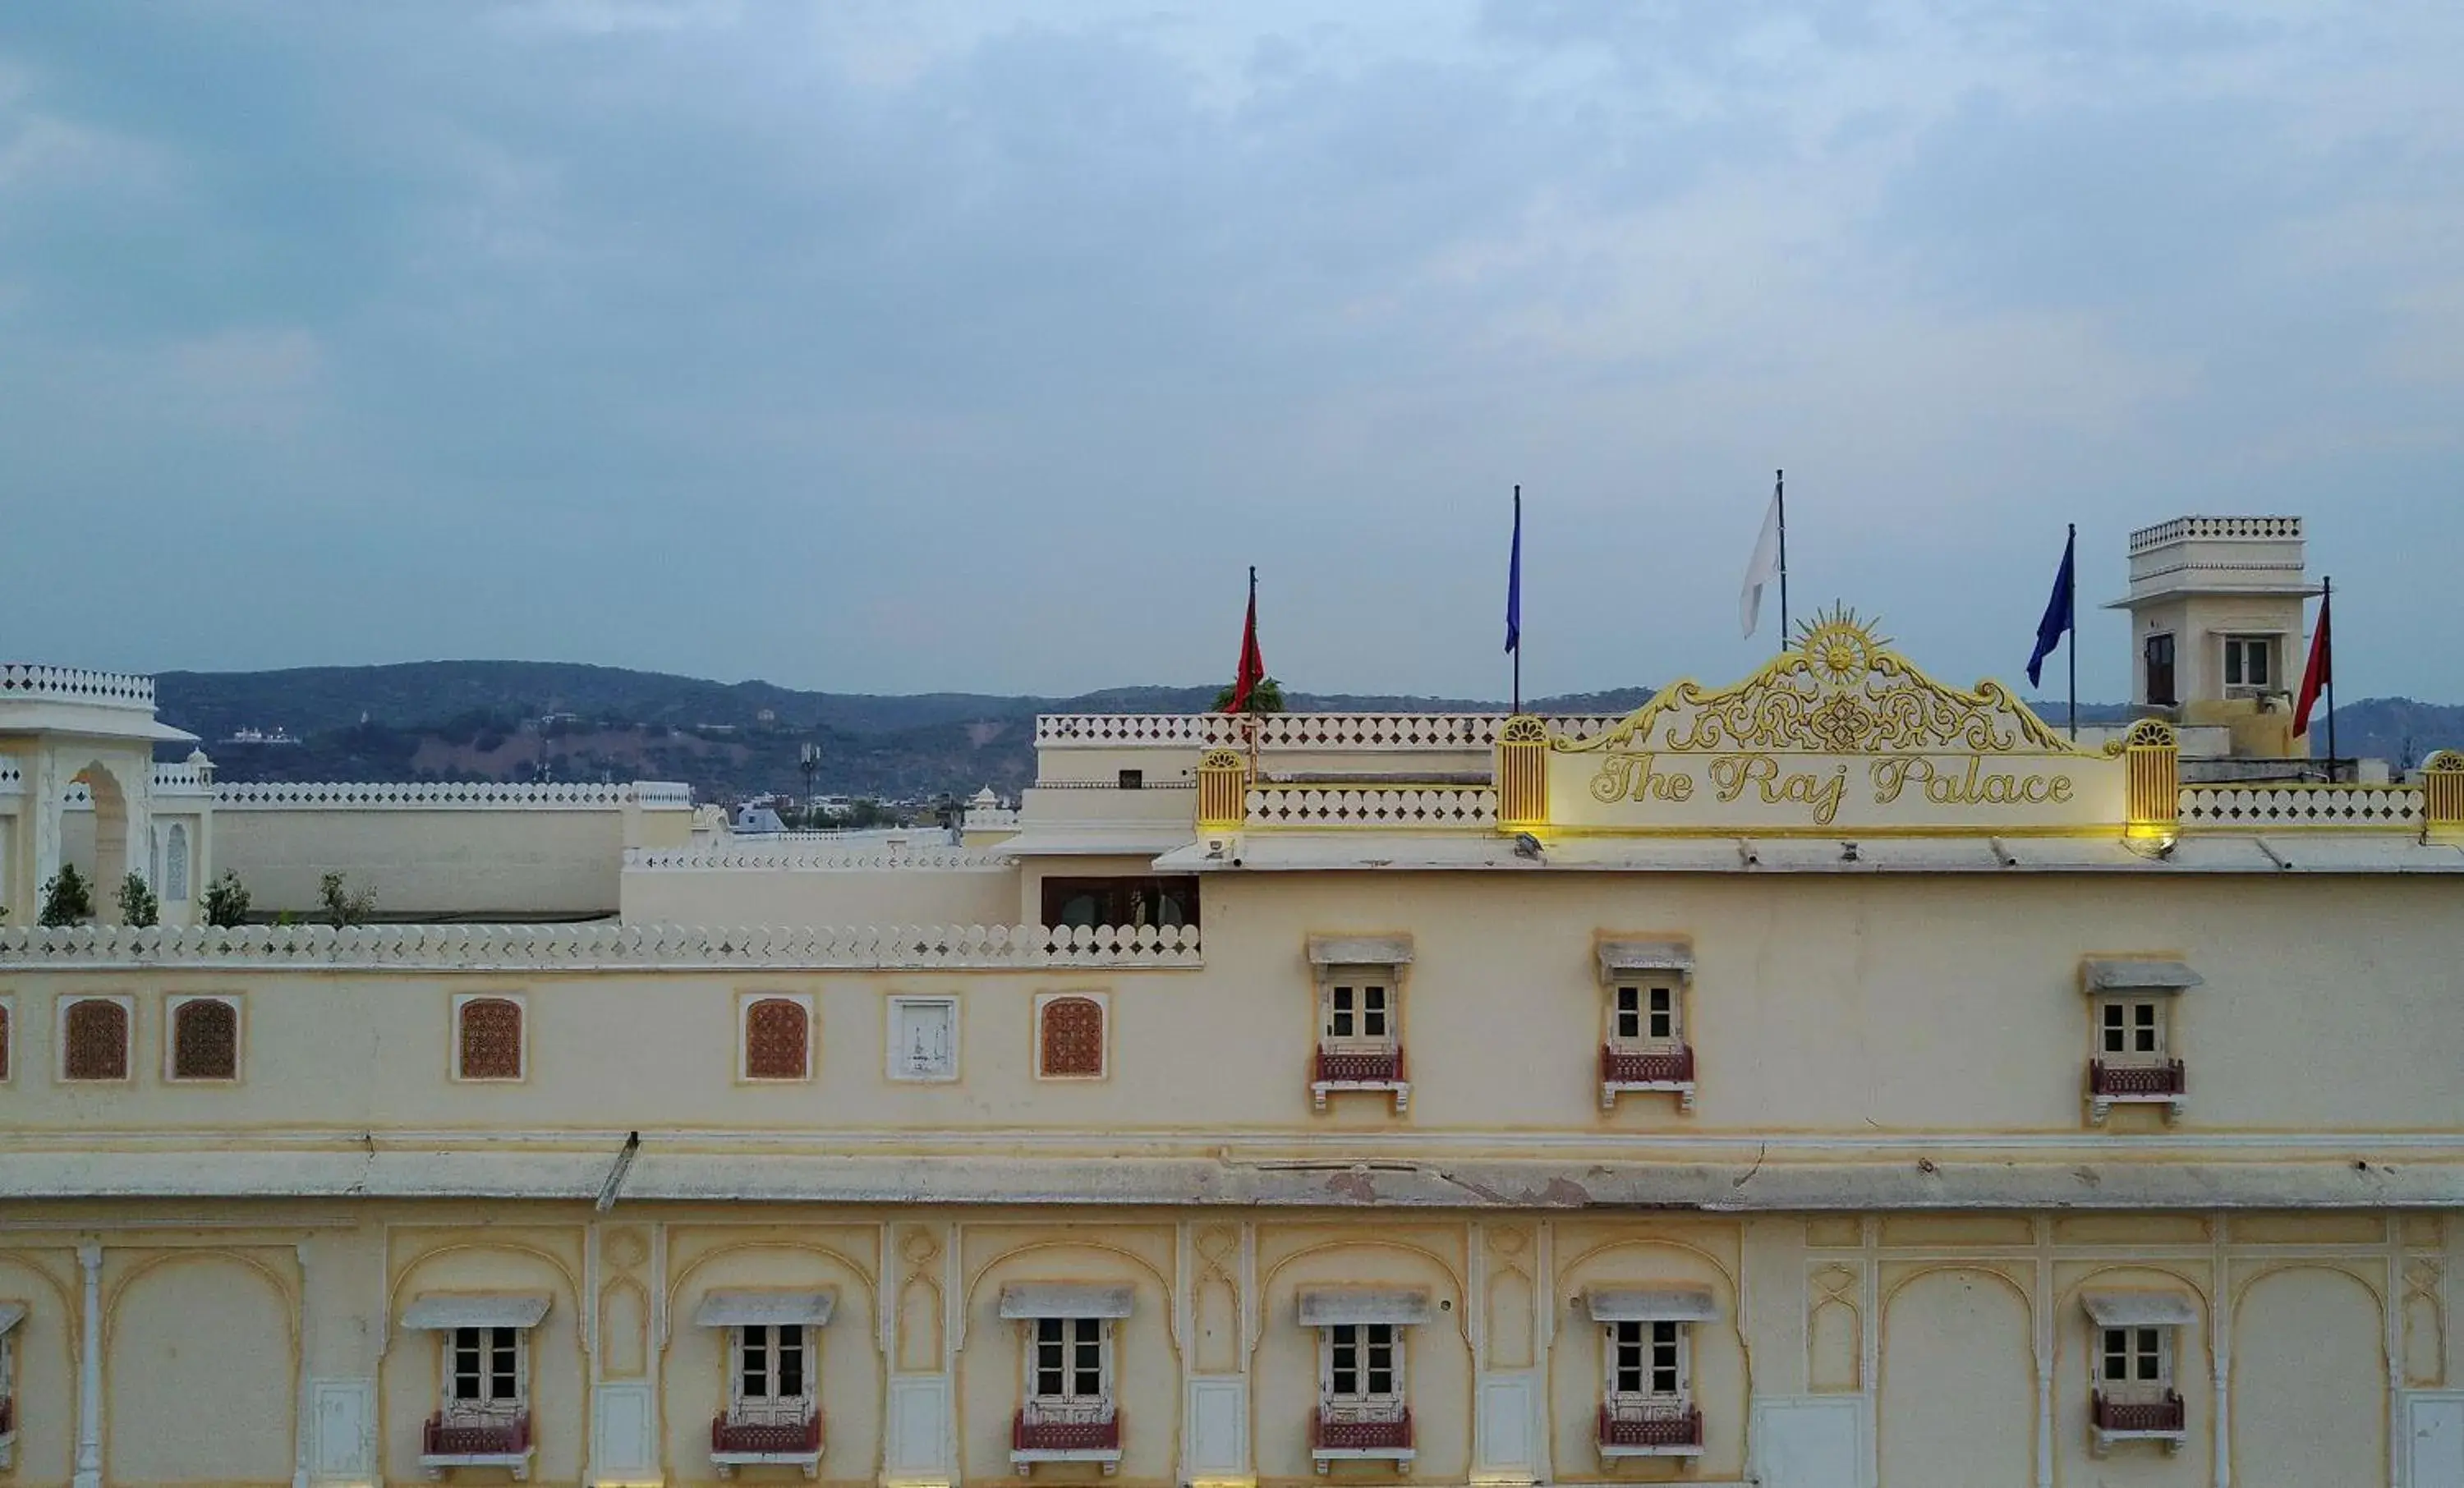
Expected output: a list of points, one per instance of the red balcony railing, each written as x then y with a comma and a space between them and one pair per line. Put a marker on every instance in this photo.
742, 1434
508, 1437
2166, 1079
1338, 1428
1647, 1066
1093, 1428
1650, 1426
1354, 1067
2168, 1414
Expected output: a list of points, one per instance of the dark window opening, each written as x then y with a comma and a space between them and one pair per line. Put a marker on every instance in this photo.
1125, 902
1133, 780
2160, 671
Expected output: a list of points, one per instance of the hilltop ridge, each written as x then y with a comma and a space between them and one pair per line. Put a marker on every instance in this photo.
497, 720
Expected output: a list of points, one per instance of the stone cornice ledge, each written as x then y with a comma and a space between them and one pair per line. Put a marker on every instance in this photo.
664, 1174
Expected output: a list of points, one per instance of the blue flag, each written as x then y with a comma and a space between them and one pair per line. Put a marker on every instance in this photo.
1514, 582
2060, 614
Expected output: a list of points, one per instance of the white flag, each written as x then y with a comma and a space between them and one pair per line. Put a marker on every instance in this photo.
1761, 569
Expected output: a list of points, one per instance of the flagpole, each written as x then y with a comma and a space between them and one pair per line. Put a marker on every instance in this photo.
2072, 552
2326, 617
1779, 497
1518, 580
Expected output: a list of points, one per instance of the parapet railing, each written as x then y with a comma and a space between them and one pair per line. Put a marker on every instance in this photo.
807, 858
2180, 527
1271, 804
74, 685
451, 794
1300, 731
607, 945
2296, 803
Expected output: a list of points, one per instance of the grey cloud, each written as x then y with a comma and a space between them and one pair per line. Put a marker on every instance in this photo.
695, 336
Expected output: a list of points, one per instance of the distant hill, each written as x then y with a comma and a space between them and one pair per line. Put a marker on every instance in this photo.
498, 720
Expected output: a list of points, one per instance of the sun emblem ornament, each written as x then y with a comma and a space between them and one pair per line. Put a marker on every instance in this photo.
1840, 645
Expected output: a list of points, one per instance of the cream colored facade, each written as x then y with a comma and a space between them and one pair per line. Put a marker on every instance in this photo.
1451, 1099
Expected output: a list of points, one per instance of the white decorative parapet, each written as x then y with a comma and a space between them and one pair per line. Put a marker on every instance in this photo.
2276, 528
603, 944
74, 685
1386, 806
185, 779
806, 858
451, 794
2400, 807
1299, 731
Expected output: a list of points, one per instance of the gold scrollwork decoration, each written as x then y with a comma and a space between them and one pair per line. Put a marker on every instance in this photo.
1840, 689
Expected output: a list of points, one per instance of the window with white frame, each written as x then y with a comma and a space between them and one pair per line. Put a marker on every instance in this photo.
1646, 1015
487, 1373
772, 1379
1648, 1362
2134, 1361
1359, 1008
1069, 1367
2131, 1030
2250, 664
1360, 1368
1646, 984
2131, 1342
1066, 1349
1359, 991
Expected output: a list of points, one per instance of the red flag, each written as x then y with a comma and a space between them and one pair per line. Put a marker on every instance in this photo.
2320, 674
1253, 667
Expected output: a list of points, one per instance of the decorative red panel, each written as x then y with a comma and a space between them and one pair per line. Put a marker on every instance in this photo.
4, 1041
205, 1040
2166, 1079
776, 1034
1073, 1037
97, 1041
491, 1038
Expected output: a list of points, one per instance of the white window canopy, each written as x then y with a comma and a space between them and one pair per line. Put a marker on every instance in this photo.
2138, 1309
11, 1313
1333, 1306
2141, 976
1361, 950
764, 1309
1624, 957
1065, 1299
1650, 1304
443, 1312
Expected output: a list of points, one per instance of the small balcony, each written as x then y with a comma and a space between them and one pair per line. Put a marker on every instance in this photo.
780, 1436
1669, 1069
2157, 1083
477, 1439
2111, 1419
1338, 1069
1347, 1433
1075, 1432
1652, 1430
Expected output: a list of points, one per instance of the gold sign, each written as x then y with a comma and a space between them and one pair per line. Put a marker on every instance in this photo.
1840, 734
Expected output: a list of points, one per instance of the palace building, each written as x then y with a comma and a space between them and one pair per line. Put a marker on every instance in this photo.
1839, 1078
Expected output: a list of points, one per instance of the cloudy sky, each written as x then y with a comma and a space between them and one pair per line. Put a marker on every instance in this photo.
905, 346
